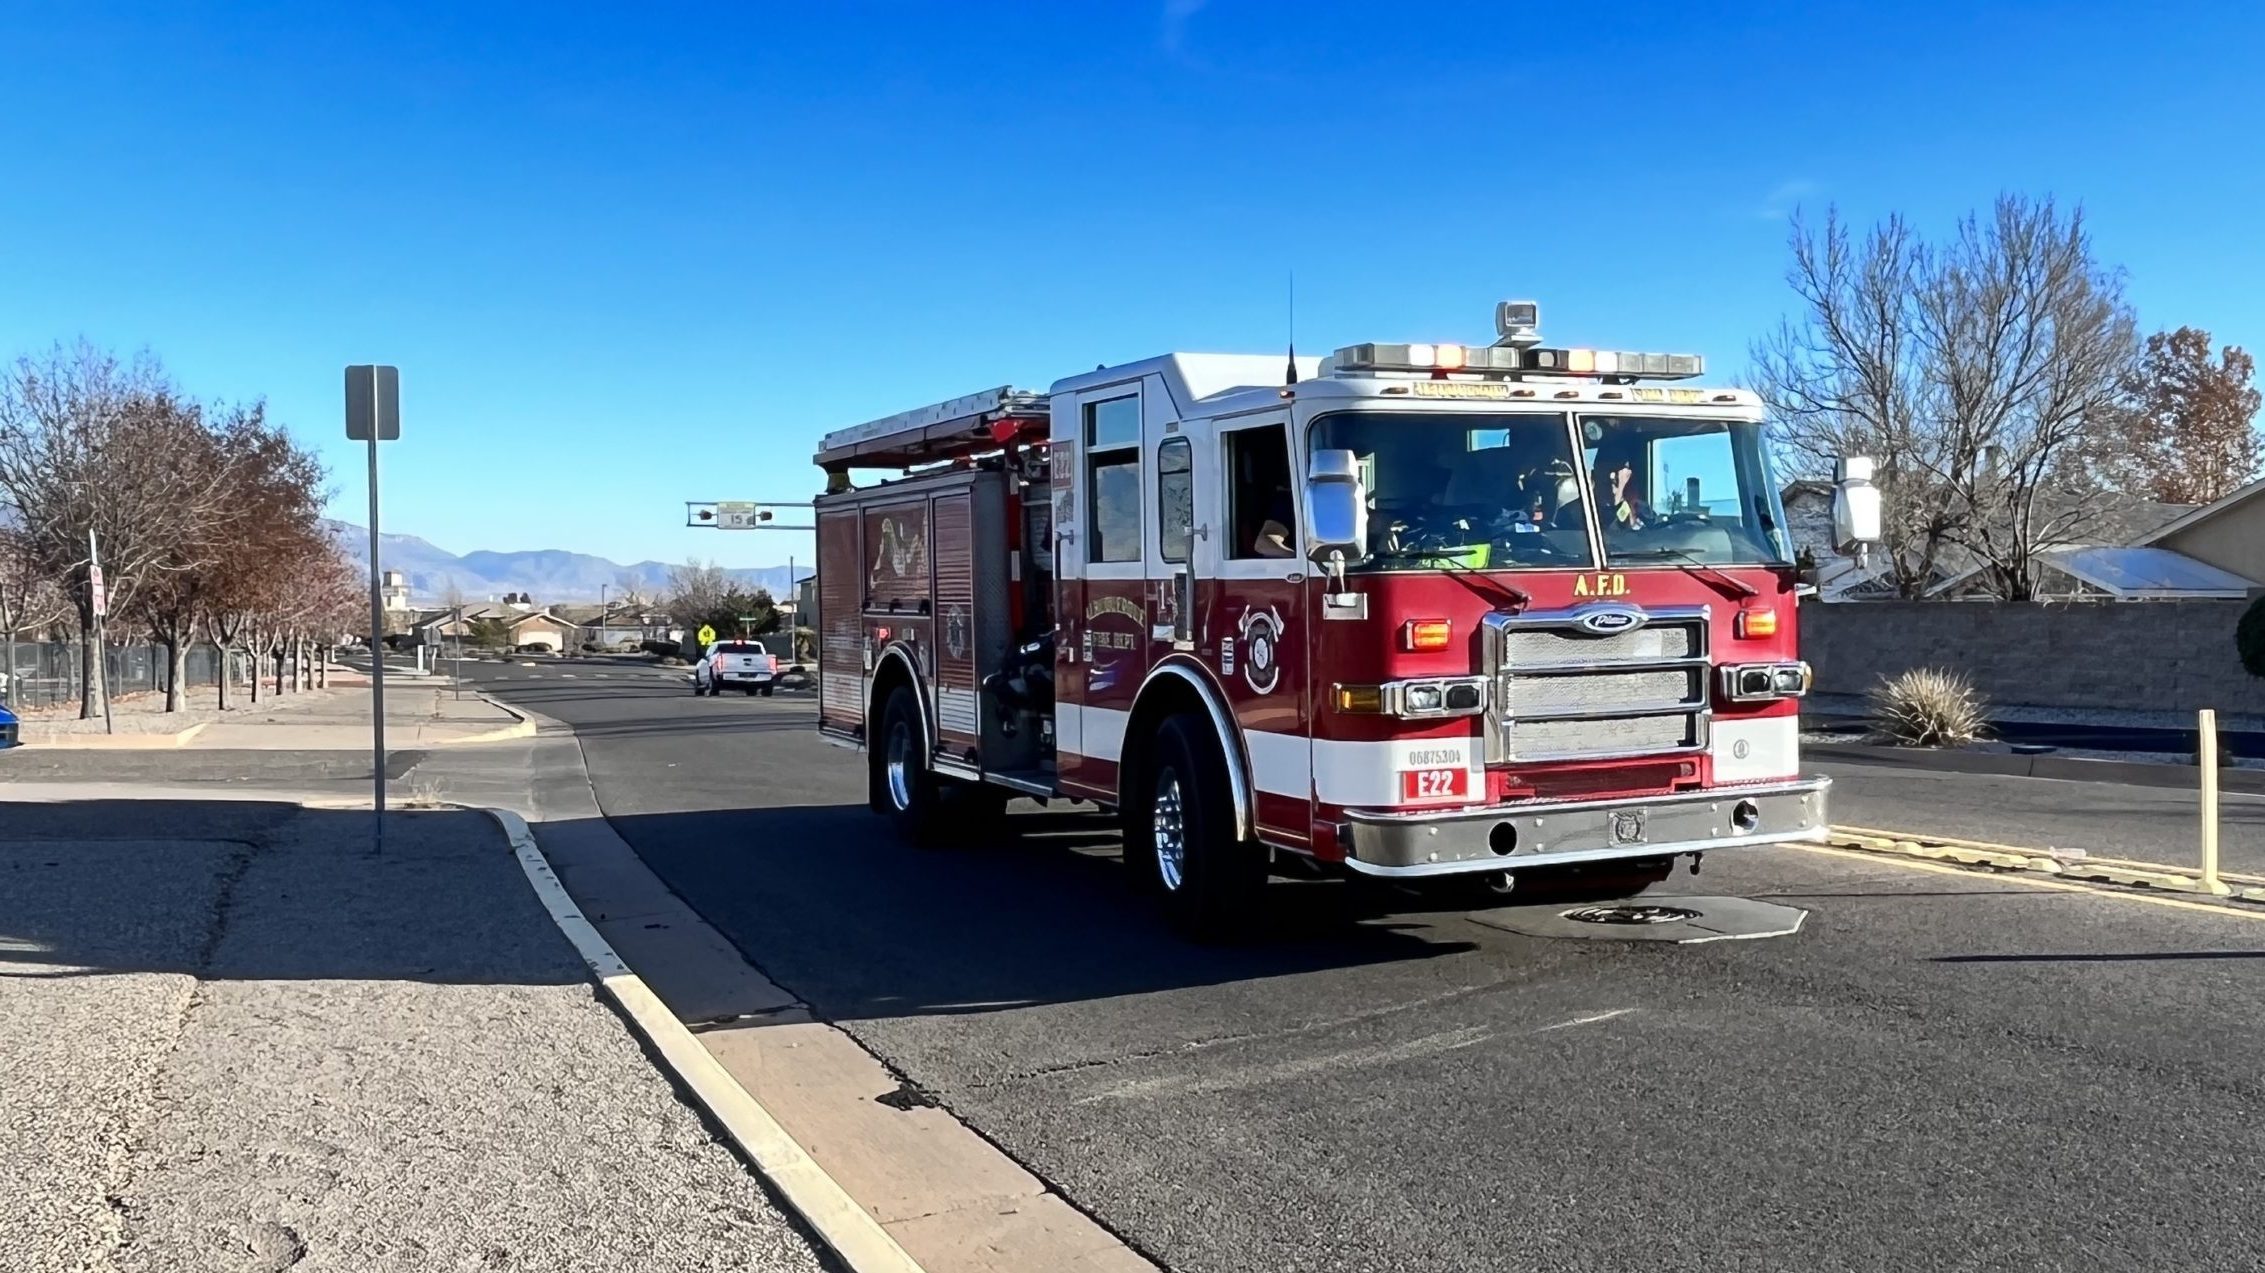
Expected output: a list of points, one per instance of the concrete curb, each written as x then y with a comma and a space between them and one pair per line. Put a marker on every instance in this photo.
846, 1229
2129, 773
115, 742
2005, 857
525, 726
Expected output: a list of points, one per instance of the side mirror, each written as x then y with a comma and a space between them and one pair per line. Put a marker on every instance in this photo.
1856, 507
1336, 508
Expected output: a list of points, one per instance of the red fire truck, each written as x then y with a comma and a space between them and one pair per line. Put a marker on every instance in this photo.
1506, 614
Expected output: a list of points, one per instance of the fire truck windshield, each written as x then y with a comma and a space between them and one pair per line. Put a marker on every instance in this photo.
1505, 491
1499, 491
1683, 490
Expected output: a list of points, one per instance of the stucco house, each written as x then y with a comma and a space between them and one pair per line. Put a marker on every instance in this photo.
2228, 534
524, 624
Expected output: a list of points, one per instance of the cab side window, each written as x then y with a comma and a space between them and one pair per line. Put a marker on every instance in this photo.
1112, 465
1261, 512
1175, 499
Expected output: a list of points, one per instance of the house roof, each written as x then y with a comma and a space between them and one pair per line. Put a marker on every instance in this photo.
2105, 517
2195, 515
511, 616
2133, 573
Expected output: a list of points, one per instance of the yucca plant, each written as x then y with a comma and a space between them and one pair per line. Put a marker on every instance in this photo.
1928, 707
2249, 637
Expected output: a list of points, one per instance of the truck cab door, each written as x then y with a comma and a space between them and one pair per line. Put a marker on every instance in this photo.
1252, 575
1101, 569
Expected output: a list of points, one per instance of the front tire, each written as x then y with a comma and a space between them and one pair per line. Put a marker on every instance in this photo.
1180, 836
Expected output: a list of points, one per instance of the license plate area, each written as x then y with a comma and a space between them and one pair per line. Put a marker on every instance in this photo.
1420, 785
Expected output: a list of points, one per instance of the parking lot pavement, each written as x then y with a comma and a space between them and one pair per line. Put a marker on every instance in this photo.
238, 1039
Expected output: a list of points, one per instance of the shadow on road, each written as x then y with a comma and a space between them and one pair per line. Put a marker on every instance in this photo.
2138, 957
860, 925
256, 890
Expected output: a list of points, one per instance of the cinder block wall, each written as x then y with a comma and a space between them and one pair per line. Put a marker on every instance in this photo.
2151, 656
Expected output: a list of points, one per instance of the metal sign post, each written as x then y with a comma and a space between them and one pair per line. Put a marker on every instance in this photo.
98, 603
373, 415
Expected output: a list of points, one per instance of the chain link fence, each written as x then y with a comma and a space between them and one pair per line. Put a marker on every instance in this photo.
47, 673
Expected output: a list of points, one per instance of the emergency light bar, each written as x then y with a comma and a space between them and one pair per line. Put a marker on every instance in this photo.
1508, 360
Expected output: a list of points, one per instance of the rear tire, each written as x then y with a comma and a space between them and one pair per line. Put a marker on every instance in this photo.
905, 785
767, 691
1180, 836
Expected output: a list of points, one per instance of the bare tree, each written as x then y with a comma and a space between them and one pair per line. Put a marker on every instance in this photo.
697, 588
29, 600
1848, 377
1981, 373
256, 572
90, 450
2184, 431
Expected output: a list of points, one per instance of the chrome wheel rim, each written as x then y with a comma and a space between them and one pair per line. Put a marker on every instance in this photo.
1168, 825
900, 766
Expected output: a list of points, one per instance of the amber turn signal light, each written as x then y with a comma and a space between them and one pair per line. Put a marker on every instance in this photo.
1426, 634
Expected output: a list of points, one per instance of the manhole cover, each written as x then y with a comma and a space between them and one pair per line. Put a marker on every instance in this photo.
1688, 920
1630, 914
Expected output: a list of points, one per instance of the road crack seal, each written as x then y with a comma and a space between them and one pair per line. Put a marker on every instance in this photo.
141, 1103
909, 1096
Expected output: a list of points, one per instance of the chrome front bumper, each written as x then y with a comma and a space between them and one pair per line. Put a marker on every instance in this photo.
1464, 841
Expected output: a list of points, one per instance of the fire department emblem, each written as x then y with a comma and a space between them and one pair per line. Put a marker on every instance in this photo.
955, 631
1261, 633
1628, 826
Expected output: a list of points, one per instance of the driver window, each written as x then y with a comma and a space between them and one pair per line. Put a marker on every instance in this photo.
1261, 512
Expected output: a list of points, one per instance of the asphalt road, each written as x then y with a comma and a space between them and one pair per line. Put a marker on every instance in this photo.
1942, 1070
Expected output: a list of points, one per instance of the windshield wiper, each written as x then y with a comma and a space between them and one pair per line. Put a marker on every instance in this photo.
1712, 573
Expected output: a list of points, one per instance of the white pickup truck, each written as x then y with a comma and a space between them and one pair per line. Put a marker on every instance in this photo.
742, 665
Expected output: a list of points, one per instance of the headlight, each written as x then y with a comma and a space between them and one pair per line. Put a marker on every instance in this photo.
1754, 682
1425, 698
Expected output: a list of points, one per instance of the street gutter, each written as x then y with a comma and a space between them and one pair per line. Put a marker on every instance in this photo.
2130, 773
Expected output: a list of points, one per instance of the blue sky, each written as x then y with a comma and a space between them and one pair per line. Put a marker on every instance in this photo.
628, 256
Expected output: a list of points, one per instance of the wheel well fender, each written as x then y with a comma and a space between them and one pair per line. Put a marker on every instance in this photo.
895, 667
1178, 686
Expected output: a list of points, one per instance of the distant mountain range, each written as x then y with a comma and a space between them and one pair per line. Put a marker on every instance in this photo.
549, 575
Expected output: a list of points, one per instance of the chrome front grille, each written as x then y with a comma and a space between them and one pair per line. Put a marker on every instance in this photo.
1560, 692
1563, 690
1611, 736
1536, 647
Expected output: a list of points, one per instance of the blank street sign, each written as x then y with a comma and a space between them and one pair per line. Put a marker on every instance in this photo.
373, 403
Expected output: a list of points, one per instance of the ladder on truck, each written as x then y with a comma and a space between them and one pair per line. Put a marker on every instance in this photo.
956, 428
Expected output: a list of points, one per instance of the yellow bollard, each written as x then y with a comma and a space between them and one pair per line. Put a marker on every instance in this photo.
2208, 757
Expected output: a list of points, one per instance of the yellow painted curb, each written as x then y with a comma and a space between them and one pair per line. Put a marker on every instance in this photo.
845, 1228
2006, 857
2031, 881
524, 728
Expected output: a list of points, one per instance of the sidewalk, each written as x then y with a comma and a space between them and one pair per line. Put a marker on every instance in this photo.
249, 1044
419, 713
